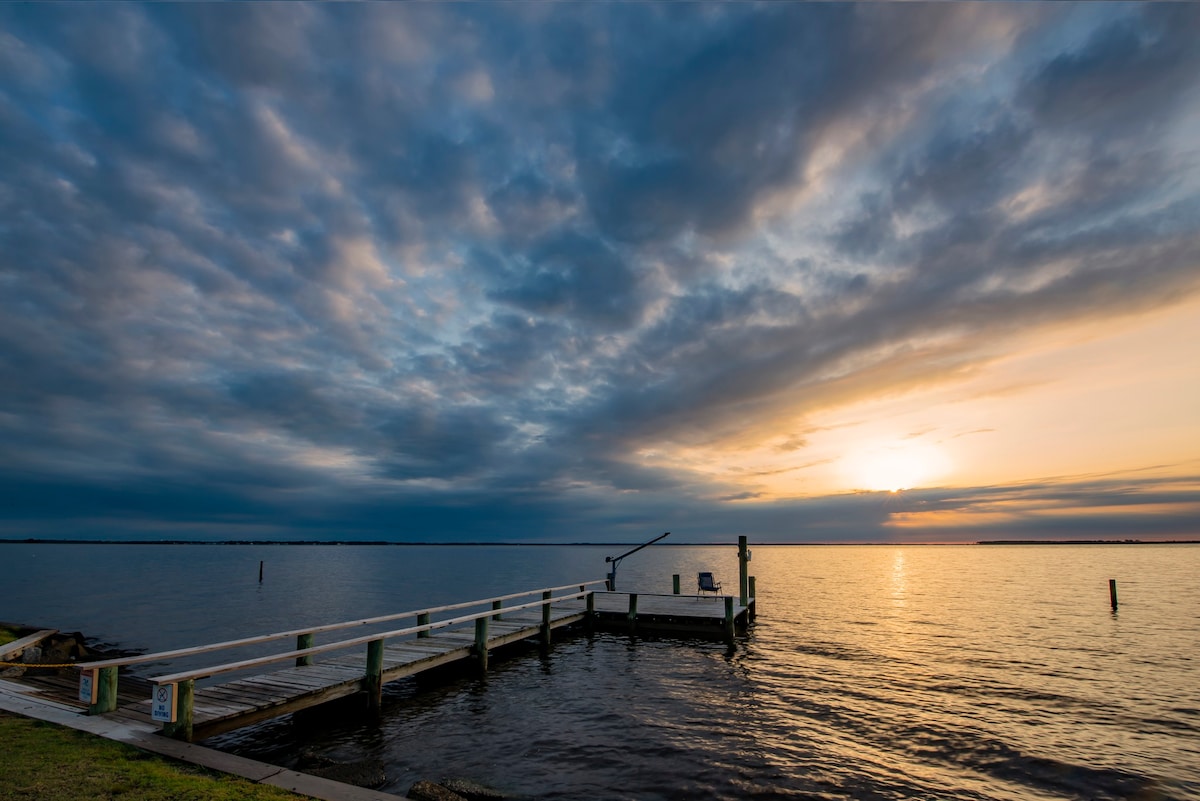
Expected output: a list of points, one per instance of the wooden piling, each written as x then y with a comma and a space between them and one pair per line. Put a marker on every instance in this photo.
1112, 593
591, 611
743, 571
546, 619
304, 641
632, 612
752, 607
260, 567
481, 651
181, 729
729, 629
373, 681
675, 584
423, 620
497, 605
106, 691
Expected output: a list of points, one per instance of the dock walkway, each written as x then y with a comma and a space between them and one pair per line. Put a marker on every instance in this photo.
202, 702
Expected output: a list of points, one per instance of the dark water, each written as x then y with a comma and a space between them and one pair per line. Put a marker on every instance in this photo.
874, 672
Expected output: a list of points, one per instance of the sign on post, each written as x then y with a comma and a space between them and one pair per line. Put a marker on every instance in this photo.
162, 703
88, 686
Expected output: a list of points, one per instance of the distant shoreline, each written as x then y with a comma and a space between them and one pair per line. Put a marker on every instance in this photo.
42, 541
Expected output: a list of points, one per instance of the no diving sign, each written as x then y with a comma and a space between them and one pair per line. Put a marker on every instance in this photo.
162, 703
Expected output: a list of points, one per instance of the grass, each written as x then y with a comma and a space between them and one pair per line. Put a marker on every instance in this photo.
7, 635
42, 761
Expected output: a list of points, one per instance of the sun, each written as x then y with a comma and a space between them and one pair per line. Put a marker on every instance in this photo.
896, 466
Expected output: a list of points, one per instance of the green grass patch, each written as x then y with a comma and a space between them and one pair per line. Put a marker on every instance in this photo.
7, 635
44, 761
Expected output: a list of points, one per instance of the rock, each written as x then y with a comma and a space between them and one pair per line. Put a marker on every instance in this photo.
12, 673
428, 791
32, 655
474, 791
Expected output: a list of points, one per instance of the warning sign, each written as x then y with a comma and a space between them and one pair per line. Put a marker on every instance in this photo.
162, 703
87, 686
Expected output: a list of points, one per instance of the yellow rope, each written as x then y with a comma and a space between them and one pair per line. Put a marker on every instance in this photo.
37, 665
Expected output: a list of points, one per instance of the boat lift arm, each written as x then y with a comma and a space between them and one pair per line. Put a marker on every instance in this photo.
616, 560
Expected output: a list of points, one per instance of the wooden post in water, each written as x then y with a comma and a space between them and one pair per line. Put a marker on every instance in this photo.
546, 619
632, 612
181, 729
304, 641
423, 620
752, 609
481, 635
260, 565
743, 572
591, 611
1112, 593
373, 681
106, 692
675, 583
729, 619
497, 605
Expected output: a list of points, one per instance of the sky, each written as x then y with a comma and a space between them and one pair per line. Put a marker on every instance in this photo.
562, 272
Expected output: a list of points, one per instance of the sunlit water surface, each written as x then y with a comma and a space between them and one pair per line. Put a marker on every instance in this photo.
873, 672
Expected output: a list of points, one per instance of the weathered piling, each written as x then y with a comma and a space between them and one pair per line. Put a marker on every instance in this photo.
260, 568
1112, 593
304, 641
373, 680
675, 584
743, 571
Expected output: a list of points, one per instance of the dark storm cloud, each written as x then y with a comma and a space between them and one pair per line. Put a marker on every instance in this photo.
434, 266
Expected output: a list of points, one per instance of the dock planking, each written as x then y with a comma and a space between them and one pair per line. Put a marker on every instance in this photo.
223, 697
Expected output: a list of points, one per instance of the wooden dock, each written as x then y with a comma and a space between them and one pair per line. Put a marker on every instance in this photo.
202, 702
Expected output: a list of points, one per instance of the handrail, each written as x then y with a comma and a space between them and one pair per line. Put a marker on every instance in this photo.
261, 638
229, 667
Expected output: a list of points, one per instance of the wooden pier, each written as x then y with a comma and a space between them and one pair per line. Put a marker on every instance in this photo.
197, 703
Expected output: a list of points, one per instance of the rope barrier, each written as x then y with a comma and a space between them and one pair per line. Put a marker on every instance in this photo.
38, 665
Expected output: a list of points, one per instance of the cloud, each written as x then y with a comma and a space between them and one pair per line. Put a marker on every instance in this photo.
435, 266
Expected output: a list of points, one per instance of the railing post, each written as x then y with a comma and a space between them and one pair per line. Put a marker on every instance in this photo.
546, 619
632, 612
304, 641
743, 558
481, 637
106, 692
753, 609
497, 605
181, 729
729, 619
675, 583
423, 620
373, 681
591, 611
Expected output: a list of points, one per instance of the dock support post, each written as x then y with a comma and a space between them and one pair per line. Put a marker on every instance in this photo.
106, 692
752, 609
423, 620
373, 681
181, 729
304, 641
632, 612
591, 611
743, 572
729, 619
1112, 593
481, 636
546, 619
675, 583
497, 605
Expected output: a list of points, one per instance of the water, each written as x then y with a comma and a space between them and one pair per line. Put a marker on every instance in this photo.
874, 672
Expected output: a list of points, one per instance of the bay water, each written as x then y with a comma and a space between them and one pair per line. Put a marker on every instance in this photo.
872, 672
